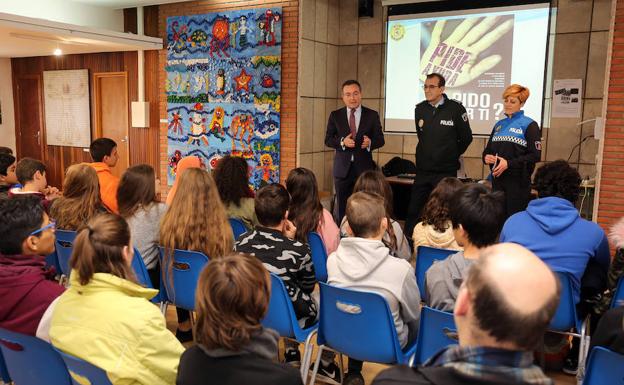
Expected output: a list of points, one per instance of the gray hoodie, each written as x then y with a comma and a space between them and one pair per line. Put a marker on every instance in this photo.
366, 264
443, 280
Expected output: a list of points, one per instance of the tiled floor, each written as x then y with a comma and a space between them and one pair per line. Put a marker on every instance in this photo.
371, 370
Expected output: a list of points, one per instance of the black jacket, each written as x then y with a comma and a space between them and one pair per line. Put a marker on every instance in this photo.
443, 135
434, 375
252, 365
609, 332
338, 128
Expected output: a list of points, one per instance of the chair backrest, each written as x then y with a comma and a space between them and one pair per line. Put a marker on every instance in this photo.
604, 367
52, 261
280, 315
358, 324
64, 245
238, 227
180, 281
140, 270
80, 370
425, 256
319, 256
4, 372
437, 330
31, 361
565, 318
618, 296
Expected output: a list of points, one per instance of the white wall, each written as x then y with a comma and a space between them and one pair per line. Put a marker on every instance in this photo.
7, 128
66, 11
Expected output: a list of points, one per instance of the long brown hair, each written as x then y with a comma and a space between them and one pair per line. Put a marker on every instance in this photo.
196, 219
373, 181
136, 190
436, 211
232, 297
305, 209
98, 248
81, 198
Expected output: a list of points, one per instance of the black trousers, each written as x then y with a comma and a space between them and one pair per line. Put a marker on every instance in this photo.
424, 183
344, 188
517, 189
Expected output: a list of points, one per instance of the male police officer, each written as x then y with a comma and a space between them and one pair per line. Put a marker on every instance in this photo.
443, 135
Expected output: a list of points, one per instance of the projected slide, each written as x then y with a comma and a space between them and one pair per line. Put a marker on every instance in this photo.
479, 52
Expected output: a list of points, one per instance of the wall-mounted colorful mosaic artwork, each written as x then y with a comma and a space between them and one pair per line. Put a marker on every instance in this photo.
223, 89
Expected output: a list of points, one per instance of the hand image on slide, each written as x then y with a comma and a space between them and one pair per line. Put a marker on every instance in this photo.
457, 58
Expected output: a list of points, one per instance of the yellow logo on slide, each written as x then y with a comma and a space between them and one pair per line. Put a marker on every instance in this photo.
397, 32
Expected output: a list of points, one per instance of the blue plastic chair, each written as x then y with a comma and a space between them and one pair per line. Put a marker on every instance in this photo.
566, 321
238, 227
140, 270
187, 265
604, 367
437, 330
79, 370
4, 372
52, 261
319, 256
618, 296
64, 245
281, 317
360, 325
31, 361
425, 256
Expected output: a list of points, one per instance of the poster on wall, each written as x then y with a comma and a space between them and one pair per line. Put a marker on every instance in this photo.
223, 89
566, 99
67, 108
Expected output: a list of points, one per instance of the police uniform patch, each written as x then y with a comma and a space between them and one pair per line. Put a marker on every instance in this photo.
538, 145
465, 117
421, 123
497, 129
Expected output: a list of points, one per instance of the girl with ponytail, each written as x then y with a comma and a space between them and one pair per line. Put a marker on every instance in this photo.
105, 317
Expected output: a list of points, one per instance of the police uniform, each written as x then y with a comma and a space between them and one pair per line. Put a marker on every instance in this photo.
517, 139
443, 135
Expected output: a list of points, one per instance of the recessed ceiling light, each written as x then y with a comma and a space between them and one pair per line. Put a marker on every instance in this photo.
58, 52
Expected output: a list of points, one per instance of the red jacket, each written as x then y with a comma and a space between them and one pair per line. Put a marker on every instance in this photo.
26, 291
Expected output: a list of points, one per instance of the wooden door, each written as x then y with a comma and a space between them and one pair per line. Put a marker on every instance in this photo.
29, 129
111, 113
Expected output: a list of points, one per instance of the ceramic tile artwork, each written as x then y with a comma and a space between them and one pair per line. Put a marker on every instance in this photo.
223, 89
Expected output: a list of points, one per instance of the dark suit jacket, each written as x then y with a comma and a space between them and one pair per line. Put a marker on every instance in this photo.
338, 128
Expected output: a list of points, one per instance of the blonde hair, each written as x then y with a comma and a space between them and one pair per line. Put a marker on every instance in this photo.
196, 219
98, 248
518, 91
231, 299
81, 198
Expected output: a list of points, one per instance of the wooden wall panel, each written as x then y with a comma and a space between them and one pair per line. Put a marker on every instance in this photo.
143, 142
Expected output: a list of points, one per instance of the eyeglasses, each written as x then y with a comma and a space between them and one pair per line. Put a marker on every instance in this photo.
430, 87
51, 225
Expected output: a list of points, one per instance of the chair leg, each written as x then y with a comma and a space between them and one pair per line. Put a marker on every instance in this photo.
317, 363
583, 350
307, 356
163, 308
341, 365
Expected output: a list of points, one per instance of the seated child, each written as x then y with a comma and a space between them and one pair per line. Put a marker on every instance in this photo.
7, 174
104, 155
435, 228
477, 215
273, 243
31, 174
81, 198
233, 296
105, 317
363, 262
232, 178
26, 285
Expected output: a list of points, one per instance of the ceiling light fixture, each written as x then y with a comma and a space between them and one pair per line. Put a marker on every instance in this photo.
58, 52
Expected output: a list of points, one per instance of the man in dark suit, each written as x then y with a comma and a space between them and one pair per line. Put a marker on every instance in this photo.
354, 131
